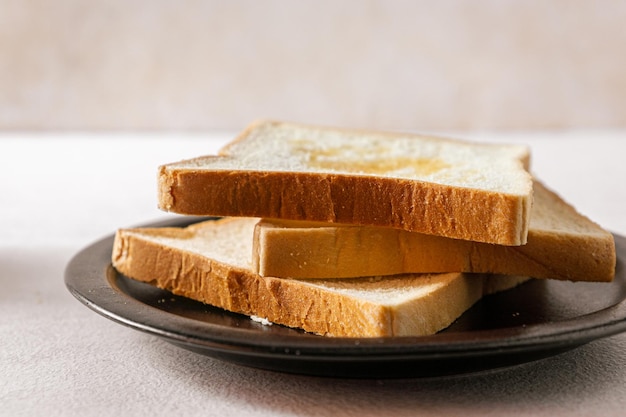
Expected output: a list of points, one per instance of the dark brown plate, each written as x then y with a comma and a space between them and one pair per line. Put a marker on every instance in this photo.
536, 320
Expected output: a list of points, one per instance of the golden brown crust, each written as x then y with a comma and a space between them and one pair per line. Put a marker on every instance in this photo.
312, 253
562, 244
549, 256
294, 303
410, 205
281, 301
425, 207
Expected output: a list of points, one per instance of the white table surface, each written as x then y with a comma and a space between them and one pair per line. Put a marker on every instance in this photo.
61, 192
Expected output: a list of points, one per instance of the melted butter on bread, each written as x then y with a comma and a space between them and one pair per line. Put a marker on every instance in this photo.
376, 159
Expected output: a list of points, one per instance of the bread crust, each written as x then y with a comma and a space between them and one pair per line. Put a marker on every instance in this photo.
289, 302
582, 251
281, 301
546, 256
418, 206
376, 201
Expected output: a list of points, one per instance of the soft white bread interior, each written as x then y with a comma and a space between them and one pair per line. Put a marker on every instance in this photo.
210, 262
562, 244
451, 188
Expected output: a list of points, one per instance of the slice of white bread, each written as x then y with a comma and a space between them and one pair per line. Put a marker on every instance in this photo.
562, 244
210, 262
452, 188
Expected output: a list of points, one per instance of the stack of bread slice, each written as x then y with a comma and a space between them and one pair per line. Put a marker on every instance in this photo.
352, 233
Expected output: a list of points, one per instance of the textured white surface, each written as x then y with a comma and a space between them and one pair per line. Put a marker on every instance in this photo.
299, 147
57, 358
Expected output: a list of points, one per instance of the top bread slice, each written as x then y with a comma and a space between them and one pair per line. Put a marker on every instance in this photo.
210, 262
444, 187
562, 244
